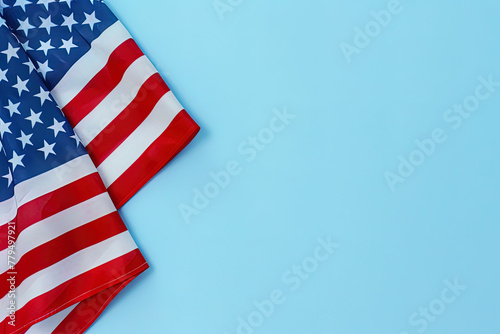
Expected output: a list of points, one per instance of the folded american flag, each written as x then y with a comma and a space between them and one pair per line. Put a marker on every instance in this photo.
125, 115
66, 251
62, 241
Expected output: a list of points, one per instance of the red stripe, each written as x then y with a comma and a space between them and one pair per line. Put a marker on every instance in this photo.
4, 234
103, 82
91, 284
59, 200
129, 119
64, 246
87, 311
173, 140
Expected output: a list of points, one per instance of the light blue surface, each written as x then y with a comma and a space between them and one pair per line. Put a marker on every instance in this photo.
324, 174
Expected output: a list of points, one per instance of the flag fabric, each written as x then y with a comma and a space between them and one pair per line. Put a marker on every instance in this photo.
124, 113
65, 252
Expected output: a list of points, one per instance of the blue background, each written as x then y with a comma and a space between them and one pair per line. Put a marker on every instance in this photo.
322, 176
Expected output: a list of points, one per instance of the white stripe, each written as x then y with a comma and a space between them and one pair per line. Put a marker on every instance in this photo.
67, 269
8, 211
58, 224
145, 134
121, 96
53, 179
48, 325
90, 64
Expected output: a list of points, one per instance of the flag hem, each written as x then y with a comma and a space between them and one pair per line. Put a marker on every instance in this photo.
115, 293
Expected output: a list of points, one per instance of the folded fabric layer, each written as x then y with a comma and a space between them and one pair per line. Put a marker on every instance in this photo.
124, 113
64, 250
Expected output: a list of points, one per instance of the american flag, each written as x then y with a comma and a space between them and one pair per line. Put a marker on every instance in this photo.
60, 231
85, 122
124, 113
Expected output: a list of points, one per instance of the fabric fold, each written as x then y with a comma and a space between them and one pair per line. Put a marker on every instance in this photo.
123, 111
65, 252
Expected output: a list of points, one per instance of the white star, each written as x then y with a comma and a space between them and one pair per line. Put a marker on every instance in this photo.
17, 160
47, 24
45, 3
13, 108
69, 22
30, 65
68, 45
57, 127
77, 140
26, 46
44, 68
45, 46
9, 178
34, 118
43, 96
22, 3
67, 1
2, 6
91, 20
25, 26
21, 86
2, 20
25, 139
47, 149
4, 128
3, 75
11, 52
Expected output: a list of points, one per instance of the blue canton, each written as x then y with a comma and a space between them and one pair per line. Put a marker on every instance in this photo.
35, 137
56, 33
